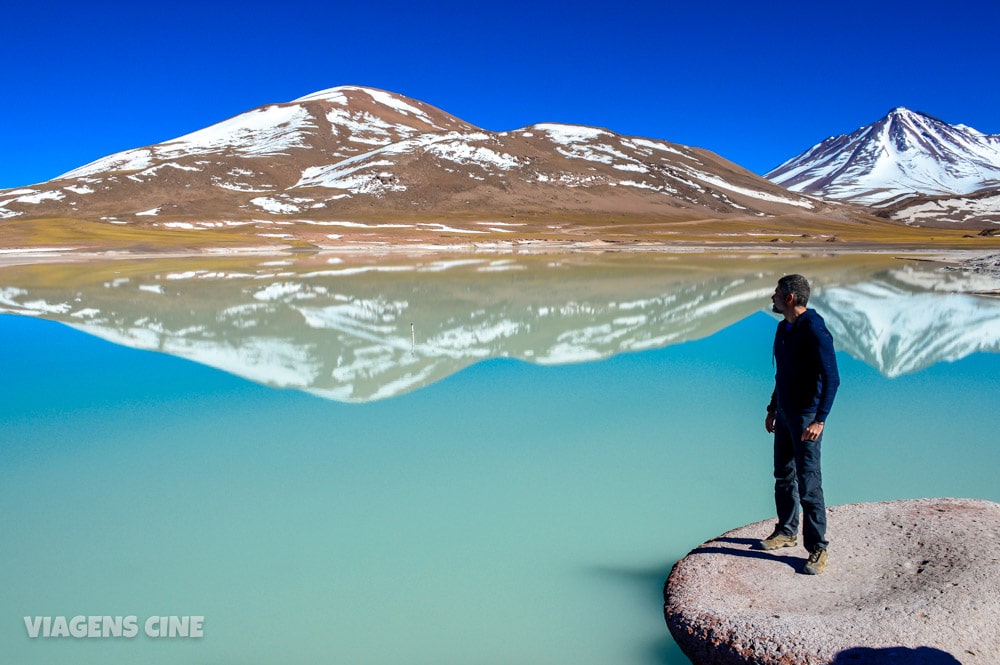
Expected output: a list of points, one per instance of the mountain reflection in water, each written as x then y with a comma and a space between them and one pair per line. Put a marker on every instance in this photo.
357, 330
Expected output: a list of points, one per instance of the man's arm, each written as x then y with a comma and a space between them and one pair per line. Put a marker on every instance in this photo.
829, 375
829, 379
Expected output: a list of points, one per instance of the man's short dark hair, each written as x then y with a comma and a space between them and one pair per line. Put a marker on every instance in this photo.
797, 285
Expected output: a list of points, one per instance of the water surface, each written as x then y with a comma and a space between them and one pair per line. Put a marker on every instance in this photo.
508, 479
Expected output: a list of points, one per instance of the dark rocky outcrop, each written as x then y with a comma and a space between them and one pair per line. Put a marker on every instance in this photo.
908, 582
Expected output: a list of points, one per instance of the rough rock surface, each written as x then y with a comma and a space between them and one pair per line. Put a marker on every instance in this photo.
914, 581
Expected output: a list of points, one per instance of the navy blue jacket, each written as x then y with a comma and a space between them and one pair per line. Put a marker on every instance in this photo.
806, 377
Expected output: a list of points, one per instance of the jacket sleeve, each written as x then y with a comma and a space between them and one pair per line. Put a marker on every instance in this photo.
829, 376
772, 406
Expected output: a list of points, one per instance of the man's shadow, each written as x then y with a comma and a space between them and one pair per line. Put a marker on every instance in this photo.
894, 656
750, 551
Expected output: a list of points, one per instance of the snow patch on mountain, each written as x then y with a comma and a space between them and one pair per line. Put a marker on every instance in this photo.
753, 193
271, 130
462, 152
568, 134
635, 168
366, 128
363, 173
654, 145
347, 175
395, 103
338, 96
153, 171
37, 197
130, 160
273, 205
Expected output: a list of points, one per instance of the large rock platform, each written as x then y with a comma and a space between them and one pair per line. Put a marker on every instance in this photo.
909, 582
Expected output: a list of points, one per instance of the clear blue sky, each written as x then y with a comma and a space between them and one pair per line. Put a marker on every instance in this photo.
755, 82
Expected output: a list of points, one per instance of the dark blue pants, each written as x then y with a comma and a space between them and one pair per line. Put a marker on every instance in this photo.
798, 480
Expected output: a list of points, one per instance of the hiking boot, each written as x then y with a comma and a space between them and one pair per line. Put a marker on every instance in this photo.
777, 540
816, 563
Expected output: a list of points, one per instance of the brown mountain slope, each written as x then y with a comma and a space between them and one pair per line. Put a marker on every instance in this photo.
357, 164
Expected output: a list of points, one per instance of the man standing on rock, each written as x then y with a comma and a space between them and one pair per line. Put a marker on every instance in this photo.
805, 383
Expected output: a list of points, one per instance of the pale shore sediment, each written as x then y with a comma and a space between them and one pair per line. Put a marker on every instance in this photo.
980, 260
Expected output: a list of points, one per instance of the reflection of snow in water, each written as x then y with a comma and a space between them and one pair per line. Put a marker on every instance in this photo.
358, 333
910, 320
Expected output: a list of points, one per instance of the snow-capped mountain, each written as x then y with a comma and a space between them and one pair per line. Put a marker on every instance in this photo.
901, 155
361, 332
359, 155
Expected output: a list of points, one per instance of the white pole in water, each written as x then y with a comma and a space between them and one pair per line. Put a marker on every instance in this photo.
413, 338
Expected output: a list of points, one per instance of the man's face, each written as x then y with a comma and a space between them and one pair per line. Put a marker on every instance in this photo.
778, 301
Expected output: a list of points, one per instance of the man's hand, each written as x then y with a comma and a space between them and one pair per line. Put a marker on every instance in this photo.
769, 422
812, 431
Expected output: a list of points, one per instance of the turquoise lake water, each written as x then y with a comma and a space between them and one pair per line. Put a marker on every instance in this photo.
505, 512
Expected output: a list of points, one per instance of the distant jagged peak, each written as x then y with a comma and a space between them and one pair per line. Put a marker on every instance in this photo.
906, 114
905, 152
902, 111
918, 120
